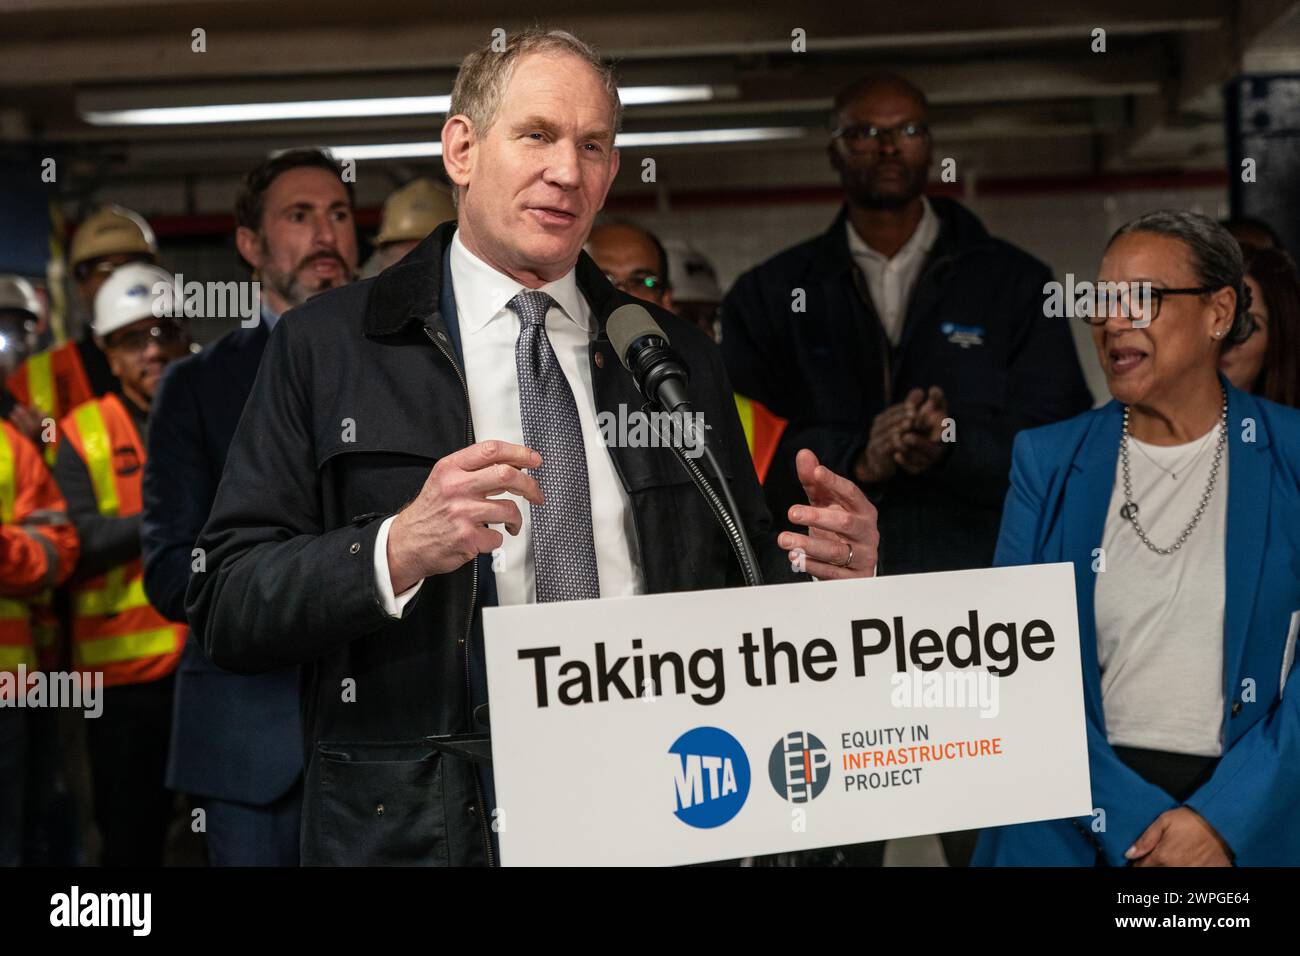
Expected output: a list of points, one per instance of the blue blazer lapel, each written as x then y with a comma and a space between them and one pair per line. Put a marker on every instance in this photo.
1087, 496
1249, 488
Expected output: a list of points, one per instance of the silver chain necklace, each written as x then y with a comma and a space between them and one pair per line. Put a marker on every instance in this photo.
1130, 509
1185, 466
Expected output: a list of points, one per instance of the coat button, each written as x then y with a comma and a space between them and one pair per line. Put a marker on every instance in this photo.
379, 810
600, 360
355, 547
473, 810
1236, 707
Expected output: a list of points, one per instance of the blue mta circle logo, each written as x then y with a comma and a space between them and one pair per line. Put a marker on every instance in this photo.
799, 767
711, 776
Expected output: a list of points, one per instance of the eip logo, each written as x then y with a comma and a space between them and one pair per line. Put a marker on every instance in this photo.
799, 767
711, 773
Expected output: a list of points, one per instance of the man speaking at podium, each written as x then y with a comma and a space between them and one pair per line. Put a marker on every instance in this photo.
426, 443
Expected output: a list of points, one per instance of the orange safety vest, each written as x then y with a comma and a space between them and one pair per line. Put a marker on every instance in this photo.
16, 644
762, 433
115, 630
54, 382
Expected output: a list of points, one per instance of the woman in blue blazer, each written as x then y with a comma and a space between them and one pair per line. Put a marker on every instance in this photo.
1179, 505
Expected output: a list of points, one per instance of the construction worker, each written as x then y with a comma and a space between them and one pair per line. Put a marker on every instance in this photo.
635, 261
697, 298
115, 631
20, 317
53, 382
38, 548
410, 214
49, 817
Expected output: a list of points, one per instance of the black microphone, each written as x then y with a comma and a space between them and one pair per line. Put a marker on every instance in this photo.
644, 349
661, 376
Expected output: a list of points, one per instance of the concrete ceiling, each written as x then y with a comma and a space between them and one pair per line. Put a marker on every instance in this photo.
1016, 88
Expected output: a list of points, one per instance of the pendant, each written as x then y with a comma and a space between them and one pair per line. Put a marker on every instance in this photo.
1129, 511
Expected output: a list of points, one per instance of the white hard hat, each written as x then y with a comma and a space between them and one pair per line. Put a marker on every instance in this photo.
17, 294
690, 274
135, 291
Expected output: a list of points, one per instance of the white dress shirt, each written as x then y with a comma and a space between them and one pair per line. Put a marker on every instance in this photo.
891, 280
488, 332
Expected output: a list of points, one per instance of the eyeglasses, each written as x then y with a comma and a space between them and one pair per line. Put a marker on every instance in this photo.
164, 335
863, 137
1139, 302
637, 282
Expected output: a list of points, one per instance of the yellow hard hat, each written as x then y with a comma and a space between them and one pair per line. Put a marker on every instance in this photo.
414, 211
110, 231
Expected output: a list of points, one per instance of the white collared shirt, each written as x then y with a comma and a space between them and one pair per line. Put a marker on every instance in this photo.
891, 280
488, 332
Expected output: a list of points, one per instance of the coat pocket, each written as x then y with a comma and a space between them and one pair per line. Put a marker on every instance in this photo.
378, 803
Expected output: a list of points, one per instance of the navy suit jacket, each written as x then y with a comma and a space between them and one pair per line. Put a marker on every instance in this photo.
1061, 481
234, 737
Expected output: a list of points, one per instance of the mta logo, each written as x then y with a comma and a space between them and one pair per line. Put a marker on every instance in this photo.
711, 777
799, 767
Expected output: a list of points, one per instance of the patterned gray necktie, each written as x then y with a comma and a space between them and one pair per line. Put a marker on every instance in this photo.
564, 548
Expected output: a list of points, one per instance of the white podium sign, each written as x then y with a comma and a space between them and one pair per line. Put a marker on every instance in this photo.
710, 725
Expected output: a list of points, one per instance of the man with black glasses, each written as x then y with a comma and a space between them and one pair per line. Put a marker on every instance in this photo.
905, 345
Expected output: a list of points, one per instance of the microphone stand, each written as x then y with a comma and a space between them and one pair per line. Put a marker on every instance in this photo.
724, 512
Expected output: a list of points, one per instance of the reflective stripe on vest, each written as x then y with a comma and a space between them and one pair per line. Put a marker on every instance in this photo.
16, 647
126, 647
114, 598
98, 448
762, 433
8, 490
11, 655
40, 382
15, 636
11, 610
746, 409
115, 630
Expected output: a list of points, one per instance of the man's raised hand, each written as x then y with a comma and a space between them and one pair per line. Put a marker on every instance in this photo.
446, 525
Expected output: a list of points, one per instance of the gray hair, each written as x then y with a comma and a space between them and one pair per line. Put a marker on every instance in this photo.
1216, 257
485, 74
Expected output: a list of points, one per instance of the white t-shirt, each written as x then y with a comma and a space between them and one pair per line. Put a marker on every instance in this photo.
1160, 617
